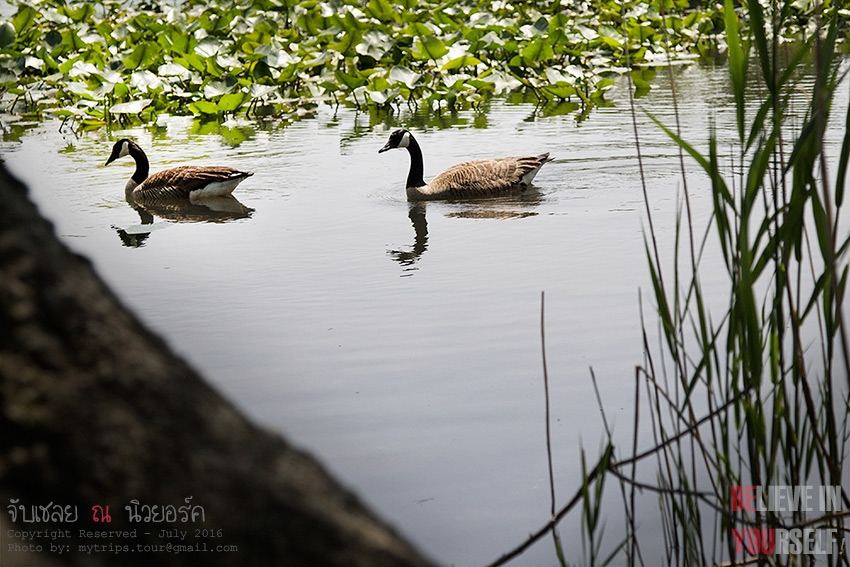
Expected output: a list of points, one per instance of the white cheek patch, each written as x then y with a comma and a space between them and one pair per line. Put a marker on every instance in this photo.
405, 140
125, 150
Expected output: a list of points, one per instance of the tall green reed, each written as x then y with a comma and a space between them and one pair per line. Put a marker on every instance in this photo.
755, 392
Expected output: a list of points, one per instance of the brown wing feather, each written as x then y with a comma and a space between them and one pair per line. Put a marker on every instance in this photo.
486, 177
179, 182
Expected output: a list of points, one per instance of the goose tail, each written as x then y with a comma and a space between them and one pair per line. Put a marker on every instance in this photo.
534, 166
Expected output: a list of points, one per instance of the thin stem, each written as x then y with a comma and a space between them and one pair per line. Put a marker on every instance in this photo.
555, 538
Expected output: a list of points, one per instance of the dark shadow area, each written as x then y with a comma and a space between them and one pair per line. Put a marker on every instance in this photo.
106, 430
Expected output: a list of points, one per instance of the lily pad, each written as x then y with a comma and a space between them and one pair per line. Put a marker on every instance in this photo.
144, 55
203, 107
230, 102
404, 75
132, 107
462, 61
429, 47
174, 70
537, 51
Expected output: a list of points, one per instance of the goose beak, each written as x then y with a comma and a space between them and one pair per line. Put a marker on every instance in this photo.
110, 160
385, 148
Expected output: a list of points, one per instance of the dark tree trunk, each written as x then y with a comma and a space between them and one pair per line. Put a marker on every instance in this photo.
95, 409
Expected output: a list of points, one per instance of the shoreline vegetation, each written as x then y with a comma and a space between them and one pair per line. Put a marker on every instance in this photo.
92, 63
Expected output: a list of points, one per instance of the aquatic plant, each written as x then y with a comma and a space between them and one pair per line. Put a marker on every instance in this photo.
95, 62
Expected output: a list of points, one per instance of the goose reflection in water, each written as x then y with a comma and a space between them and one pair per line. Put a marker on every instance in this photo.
408, 258
509, 207
217, 210
505, 208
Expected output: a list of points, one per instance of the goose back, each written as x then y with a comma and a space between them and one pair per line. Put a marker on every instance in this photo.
189, 181
485, 178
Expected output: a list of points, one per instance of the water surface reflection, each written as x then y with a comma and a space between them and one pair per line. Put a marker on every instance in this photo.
517, 206
217, 210
408, 257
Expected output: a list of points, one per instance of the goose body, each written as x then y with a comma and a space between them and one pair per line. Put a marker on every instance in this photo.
471, 179
191, 182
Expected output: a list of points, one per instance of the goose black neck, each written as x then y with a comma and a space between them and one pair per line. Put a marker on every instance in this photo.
142, 165
414, 177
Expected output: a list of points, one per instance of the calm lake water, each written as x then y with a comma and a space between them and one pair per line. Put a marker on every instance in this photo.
401, 344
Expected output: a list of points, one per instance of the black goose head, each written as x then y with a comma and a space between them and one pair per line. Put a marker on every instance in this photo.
398, 139
120, 149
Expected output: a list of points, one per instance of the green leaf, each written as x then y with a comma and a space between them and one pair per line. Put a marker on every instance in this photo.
144, 56
429, 47
382, 10
7, 34
537, 51
79, 13
757, 26
213, 68
192, 60
260, 70
71, 41
230, 102
841, 176
176, 41
605, 84
462, 61
203, 107
351, 23
481, 85
737, 63
611, 37
120, 91
560, 90
24, 18
347, 42
288, 74
350, 81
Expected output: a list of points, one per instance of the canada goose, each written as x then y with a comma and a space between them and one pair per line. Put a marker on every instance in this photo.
192, 181
480, 178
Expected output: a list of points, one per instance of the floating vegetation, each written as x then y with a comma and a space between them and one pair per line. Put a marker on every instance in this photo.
96, 62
